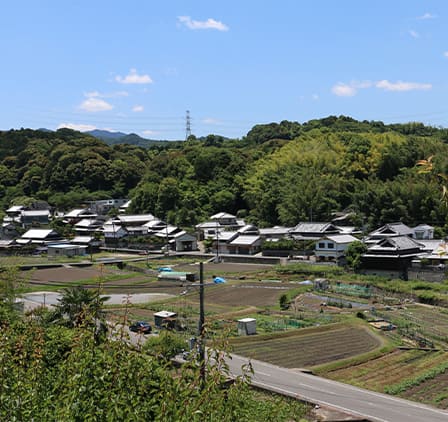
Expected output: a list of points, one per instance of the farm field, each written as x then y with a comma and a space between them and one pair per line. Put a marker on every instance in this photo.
432, 391
334, 339
427, 321
246, 294
309, 347
408, 373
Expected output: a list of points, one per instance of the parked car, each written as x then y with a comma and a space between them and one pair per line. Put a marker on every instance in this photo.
141, 327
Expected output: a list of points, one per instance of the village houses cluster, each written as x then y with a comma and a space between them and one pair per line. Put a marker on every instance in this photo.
394, 247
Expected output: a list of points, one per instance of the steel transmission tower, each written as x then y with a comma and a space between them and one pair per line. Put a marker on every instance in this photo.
187, 125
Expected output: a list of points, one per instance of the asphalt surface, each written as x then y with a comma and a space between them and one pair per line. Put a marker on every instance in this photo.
367, 404
36, 299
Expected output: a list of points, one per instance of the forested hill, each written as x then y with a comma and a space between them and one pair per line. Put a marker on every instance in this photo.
279, 173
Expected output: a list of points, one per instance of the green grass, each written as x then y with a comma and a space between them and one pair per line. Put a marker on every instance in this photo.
355, 360
412, 382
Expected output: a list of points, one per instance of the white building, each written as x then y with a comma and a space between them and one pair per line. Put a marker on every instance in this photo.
332, 248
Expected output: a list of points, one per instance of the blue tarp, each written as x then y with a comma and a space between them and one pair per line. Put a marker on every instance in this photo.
218, 280
165, 269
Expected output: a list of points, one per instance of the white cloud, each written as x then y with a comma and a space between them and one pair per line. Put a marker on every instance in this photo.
402, 86
75, 126
351, 89
97, 94
208, 24
426, 16
343, 90
414, 34
134, 78
445, 53
94, 104
138, 108
315, 97
211, 121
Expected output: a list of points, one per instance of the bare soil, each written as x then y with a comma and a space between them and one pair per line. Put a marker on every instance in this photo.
308, 348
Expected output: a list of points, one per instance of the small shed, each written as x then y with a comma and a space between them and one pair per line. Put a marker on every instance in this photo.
247, 326
66, 250
176, 276
165, 319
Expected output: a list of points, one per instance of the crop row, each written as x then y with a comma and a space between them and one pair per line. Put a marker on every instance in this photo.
390, 369
311, 349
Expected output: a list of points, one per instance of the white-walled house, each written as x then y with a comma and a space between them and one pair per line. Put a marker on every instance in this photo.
245, 245
423, 231
332, 248
183, 241
113, 231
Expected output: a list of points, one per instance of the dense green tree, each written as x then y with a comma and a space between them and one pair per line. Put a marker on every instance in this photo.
354, 253
77, 304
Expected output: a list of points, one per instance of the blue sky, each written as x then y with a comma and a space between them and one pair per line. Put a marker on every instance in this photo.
137, 66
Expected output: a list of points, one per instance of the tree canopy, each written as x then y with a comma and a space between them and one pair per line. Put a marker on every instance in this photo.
279, 173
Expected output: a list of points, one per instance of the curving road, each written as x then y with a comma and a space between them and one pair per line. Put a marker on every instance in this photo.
357, 401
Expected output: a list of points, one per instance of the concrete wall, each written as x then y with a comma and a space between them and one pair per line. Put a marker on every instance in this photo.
419, 274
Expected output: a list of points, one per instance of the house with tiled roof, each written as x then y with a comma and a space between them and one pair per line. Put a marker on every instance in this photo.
393, 255
313, 231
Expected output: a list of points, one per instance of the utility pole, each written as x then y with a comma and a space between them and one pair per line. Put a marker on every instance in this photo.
217, 243
187, 125
166, 236
201, 328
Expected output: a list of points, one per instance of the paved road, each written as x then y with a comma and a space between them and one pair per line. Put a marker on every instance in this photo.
370, 405
36, 299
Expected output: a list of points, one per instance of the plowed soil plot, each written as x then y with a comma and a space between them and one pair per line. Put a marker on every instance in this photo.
308, 348
390, 369
63, 274
244, 295
433, 391
134, 284
225, 267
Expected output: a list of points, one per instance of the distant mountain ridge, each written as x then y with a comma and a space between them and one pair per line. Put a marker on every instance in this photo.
105, 134
113, 138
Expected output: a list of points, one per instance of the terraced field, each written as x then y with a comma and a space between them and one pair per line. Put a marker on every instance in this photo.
390, 369
430, 322
308, 347
433, 391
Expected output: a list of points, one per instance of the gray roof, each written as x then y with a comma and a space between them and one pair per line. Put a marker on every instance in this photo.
6, 243
423, 227
314, 228
248, 228
112, 228
277, 230
397, 243
393, 229
134, 218
245, 240
82, 239
15, 208
342, 238
79, 212
225, 236
208, 225
38, 234
35, 213
348, 229
184, 234
154, 223
221, 215
88, 222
